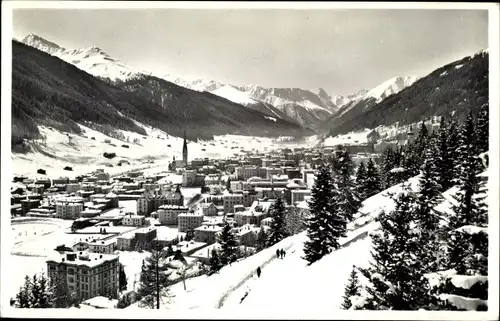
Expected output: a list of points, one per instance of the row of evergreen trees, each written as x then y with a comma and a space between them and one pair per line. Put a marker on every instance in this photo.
415, 240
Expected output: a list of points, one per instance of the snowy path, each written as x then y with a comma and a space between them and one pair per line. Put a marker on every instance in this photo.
276, 290
272, 279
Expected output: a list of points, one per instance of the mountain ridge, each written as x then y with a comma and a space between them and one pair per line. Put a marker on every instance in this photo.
47, 90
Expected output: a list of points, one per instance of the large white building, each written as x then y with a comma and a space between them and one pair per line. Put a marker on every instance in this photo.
229, 200
167, 214
103, 246
189, 221
134, 220
68, 210
87, 275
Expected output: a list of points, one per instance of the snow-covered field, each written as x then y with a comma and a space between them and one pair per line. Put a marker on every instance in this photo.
385, 132
32, 243
85, 154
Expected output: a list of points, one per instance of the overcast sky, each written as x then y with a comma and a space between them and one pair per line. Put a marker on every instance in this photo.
341, 51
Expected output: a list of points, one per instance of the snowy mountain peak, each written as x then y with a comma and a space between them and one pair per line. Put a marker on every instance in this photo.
323, 94
40, 43
390, 87
92, 60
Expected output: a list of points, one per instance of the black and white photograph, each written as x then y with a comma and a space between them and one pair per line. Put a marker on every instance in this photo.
285, 160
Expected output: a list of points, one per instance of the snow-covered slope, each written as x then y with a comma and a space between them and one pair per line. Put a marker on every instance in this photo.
234, 95
390, 87
369, 98
287, 287
84, 152
92, 60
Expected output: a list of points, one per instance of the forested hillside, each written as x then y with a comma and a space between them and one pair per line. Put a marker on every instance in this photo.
449, 91
49, 91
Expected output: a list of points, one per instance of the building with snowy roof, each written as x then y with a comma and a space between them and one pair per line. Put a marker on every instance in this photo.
207, 233
87, 274
189, 221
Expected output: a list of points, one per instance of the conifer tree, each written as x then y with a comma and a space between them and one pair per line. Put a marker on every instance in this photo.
154, 281
277, 231
23, 296
343, 169
352, 289
443, 157
214, 263
387, 164
452, 133
294, 221
228, 184
327, 222
122, 279
373, 184
470, 207
427, 220
396, 273
414, 150
35, 293
482, 128
261, 239
360, 180
229, 245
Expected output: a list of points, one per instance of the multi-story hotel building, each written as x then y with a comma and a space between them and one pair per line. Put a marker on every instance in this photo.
87, 274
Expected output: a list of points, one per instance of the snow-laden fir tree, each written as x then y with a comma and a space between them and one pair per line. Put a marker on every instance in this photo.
427, 220
470, 208
482, 128
214, 262
353, 289
154, 281
360, 180
452, 132
343, 169
373, 183
36, 293
277, 231
464, 285
396, 273
327, 221
261, 239
413, 153
443, 156
228, 245
391, 158
295, 220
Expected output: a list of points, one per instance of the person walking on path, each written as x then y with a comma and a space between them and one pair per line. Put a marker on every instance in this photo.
278, 253
258, 272
283, 253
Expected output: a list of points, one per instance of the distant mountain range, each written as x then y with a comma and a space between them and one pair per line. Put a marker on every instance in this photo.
207, 107
311, 110
47, 90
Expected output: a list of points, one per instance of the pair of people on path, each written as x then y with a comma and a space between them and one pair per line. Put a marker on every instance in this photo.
280, 253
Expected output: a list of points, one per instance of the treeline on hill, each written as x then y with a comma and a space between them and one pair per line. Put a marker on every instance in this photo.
51, 92
449, 91
422, 258
48, 91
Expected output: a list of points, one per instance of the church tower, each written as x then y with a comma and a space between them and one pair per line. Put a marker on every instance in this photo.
185, 151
